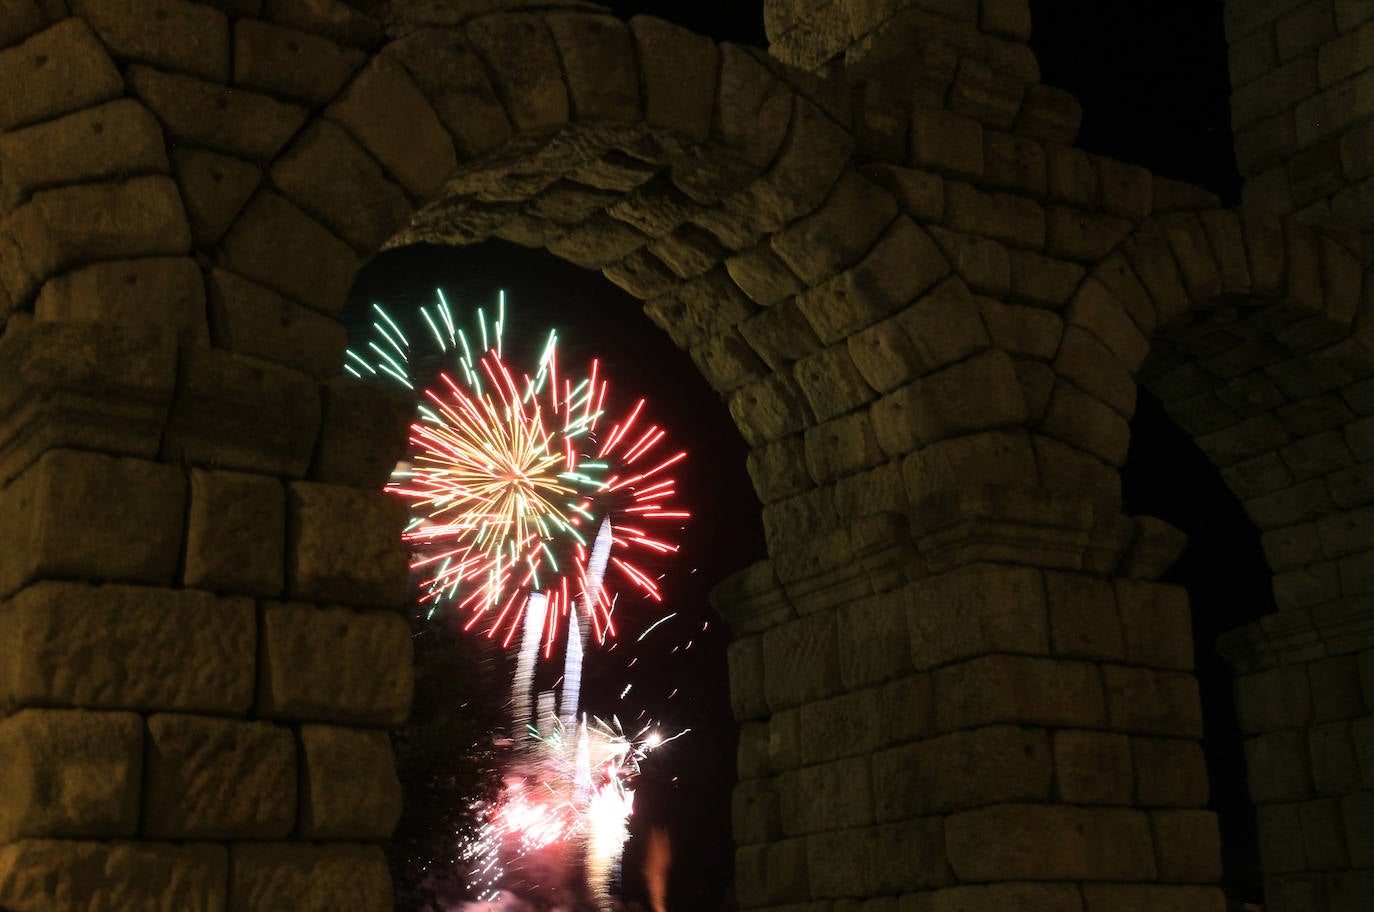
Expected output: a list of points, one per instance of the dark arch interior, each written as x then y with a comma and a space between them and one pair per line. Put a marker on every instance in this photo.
1228, 582
686, 787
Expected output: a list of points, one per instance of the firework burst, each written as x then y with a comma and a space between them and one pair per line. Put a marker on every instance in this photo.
512, 473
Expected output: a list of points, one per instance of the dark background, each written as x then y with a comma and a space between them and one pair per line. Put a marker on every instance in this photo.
1154, 87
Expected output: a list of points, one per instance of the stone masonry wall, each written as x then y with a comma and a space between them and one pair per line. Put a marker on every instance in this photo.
1302, 106
961, 688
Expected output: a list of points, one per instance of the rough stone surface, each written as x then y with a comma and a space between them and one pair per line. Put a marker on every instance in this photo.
334, 664
236, 533
163, 291
62, 69
308, 878
344, 545
291, 63
253, 320
126, 647
218, 778
70, 773
56, 875
349, 788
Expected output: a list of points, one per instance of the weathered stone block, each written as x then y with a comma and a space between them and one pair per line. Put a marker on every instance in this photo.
1083, 618
210, 115
1006, 217
1169, 772
1041, 281
327, 173
801, 661
218, 778
984, 264
1279, 767
349, 788
62, 69
454, 80
831, 383
69, 773
250, 319
334, 665
977, 394
1069, 470
141, 216
1335, 767
214, 189
599, 63
976, 610
679, 70
308, 878
1087, 423
1093, 768
1049, 114
1144, 701
126, 647
235, 413
56, 875
344, 545
901, 267
88, 516
1019, 689
940, 328
962, 770
745, 657
335, 20
1157, 624
363, 433
1050, 842
526, 71
994, 457
1336, 688
754, 813
839, 233
768, 410
236, 533
118, 139
276, 244
826, 797
946, 143
188, 37
1084, 237
166, 291
292, 63
1152, 898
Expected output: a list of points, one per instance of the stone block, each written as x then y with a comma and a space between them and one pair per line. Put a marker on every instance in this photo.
384, 110
946, 143
1072, 177
308, 878
334, 20
873, 641
22, 19
1087, 423
779, 470
831, 383
139, 217
236, 533
920, 195
1357, 812
1145, 701
1127, 190
801, 661
1068, 470
1169, 772
977, 394
235, 413
940, 328
1041, 281
754, 813
1050, 842
210, 115
333, 665
1083, 617
344, 545
112, 140
1335, 109
1018, 690
218, 778
747, 699
126, 647
1084, 237
839, 233
600, 65
974, 611
962, 770
88, 516
525, 69
214, 188
826, 797
454, 80
291, 63
1093, 768
349, 788
903, 265
1152, 898
1335, 768
780, 334
53, 875
165, 291
994, 457
1276, 90
63, 69
329, 175
768, 410
985, 94
845, 726
69, 773
1336, 688
1278, 764
1323, 836
273, 242
1187, 846
1022, 331
173, 34
751, 760
984, 265
1280, 838
763, 276
1156, 623
253, 320
678, 70
363, 433
1049, 114
1006, 217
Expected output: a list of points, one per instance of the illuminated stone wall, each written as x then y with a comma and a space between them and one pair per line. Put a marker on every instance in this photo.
959, 685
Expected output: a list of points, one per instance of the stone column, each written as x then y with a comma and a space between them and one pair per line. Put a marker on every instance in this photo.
1302, 106
201, 646
993, 707
1305, 700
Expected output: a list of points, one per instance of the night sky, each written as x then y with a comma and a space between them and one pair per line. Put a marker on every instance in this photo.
1152, 79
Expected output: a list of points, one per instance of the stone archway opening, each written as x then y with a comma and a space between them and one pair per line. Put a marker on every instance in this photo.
680, 678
